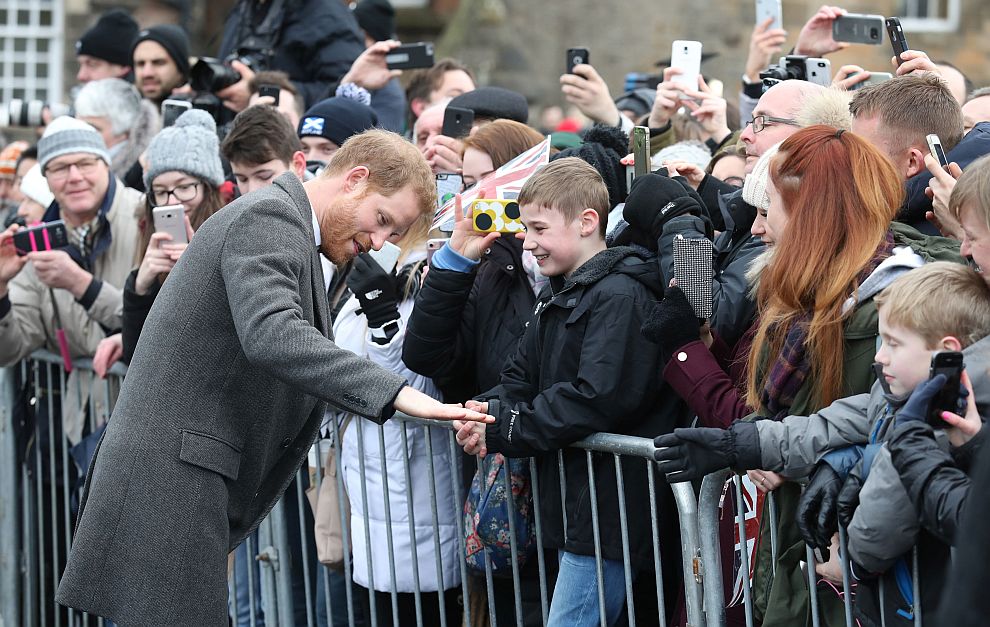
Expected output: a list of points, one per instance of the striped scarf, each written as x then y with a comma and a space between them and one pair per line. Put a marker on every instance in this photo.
792, 366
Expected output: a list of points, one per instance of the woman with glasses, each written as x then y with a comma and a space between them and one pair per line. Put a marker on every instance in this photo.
183, 168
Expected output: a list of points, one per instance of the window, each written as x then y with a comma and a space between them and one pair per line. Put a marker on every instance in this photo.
930, 16
31, 50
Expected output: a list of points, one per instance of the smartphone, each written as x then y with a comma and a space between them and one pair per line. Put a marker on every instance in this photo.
935, 146
41, 237
858, 28
766, 9
171, 219
818, 71
577, 56
875, 79
457, 122
489, 215
172, 109
448, 185
949, 363
694, 272
272, 91
641, 150
685, 56
387, 257
433, 245
896, 35
410, 56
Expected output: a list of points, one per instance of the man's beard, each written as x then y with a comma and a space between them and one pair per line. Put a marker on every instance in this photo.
337, 230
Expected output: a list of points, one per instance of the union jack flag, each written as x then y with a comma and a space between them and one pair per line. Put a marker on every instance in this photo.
504, 183
753, 501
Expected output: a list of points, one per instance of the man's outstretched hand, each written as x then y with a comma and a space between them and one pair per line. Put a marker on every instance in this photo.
413, 402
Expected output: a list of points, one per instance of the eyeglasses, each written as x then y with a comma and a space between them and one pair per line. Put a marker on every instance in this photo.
182, 193
61, 171
760, 122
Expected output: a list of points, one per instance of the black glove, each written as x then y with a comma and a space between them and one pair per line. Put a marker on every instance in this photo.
916, 407
654, 200
816, 513
672, 323
848, 499
689, 454
375, 290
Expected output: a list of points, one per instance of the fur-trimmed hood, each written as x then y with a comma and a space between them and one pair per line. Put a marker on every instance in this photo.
145, 128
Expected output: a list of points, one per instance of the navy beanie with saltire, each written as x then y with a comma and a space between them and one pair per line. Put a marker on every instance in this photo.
336, 119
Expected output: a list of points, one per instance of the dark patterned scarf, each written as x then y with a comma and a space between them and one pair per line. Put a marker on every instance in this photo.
788, 373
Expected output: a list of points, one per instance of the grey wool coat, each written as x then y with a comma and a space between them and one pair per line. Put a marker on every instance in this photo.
224, 396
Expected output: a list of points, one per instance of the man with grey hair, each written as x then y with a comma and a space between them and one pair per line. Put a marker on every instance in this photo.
126, 121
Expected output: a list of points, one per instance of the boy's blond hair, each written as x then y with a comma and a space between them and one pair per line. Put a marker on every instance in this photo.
972, 190
568, 185
937, 300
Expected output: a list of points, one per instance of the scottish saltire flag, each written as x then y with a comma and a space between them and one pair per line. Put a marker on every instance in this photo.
312, 126
753, 501
504, 183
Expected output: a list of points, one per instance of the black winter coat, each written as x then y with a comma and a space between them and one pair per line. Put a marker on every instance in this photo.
583, 367
136, 310
316, 44
465, 325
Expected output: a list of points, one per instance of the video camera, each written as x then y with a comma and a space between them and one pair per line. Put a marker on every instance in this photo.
798, 67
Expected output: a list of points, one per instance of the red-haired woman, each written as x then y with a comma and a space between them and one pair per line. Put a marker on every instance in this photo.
825, 201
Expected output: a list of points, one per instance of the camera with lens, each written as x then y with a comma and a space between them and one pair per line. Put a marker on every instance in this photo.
211, 75
797, 67
29, 113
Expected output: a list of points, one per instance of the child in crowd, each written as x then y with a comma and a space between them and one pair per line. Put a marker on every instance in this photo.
582, 367
939, 307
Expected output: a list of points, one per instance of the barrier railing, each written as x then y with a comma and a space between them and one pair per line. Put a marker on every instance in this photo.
283, 582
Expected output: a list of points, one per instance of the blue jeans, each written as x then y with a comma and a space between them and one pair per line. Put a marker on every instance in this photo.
242, 562
575, 597
337, 583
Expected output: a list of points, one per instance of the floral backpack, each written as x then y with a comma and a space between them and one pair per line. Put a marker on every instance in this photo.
487, 511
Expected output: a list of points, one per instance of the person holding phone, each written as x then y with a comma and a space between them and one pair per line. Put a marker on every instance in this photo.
183, 169
788, 187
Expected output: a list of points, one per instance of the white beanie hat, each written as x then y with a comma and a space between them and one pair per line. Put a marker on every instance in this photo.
755, 187
35, 186
67, 135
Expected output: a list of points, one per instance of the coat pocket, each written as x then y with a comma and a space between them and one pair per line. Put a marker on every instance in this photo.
211, 453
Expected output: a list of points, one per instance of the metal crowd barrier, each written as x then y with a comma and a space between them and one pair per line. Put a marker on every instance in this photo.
33, 544
714, 601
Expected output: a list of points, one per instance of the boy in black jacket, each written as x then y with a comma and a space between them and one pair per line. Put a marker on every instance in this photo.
582, 367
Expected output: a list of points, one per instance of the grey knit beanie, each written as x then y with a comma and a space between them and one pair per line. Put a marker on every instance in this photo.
65, 136
190, 146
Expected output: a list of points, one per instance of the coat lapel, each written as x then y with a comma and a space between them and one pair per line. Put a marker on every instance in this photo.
321, 306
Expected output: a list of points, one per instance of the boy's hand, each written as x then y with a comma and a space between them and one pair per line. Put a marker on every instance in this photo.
465, 241
964, 427
816, 513
849, 495
471, 435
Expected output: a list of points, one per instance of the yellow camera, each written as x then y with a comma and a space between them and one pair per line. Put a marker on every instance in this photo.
491, 215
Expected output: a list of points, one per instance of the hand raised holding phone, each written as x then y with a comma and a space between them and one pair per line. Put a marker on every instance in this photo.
160, 258
939, 189
466, 241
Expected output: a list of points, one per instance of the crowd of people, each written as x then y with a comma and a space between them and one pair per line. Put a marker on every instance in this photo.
845, 259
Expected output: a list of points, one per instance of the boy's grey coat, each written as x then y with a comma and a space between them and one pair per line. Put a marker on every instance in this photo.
221, 403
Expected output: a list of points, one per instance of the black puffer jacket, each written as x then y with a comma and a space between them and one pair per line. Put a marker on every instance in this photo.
583, 367
466, 324
316, 42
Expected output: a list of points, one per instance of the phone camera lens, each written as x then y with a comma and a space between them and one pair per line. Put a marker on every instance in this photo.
874, 33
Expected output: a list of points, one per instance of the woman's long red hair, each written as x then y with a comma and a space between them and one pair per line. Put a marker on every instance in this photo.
840, 194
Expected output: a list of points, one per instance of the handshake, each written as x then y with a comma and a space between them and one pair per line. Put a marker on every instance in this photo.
471, 435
